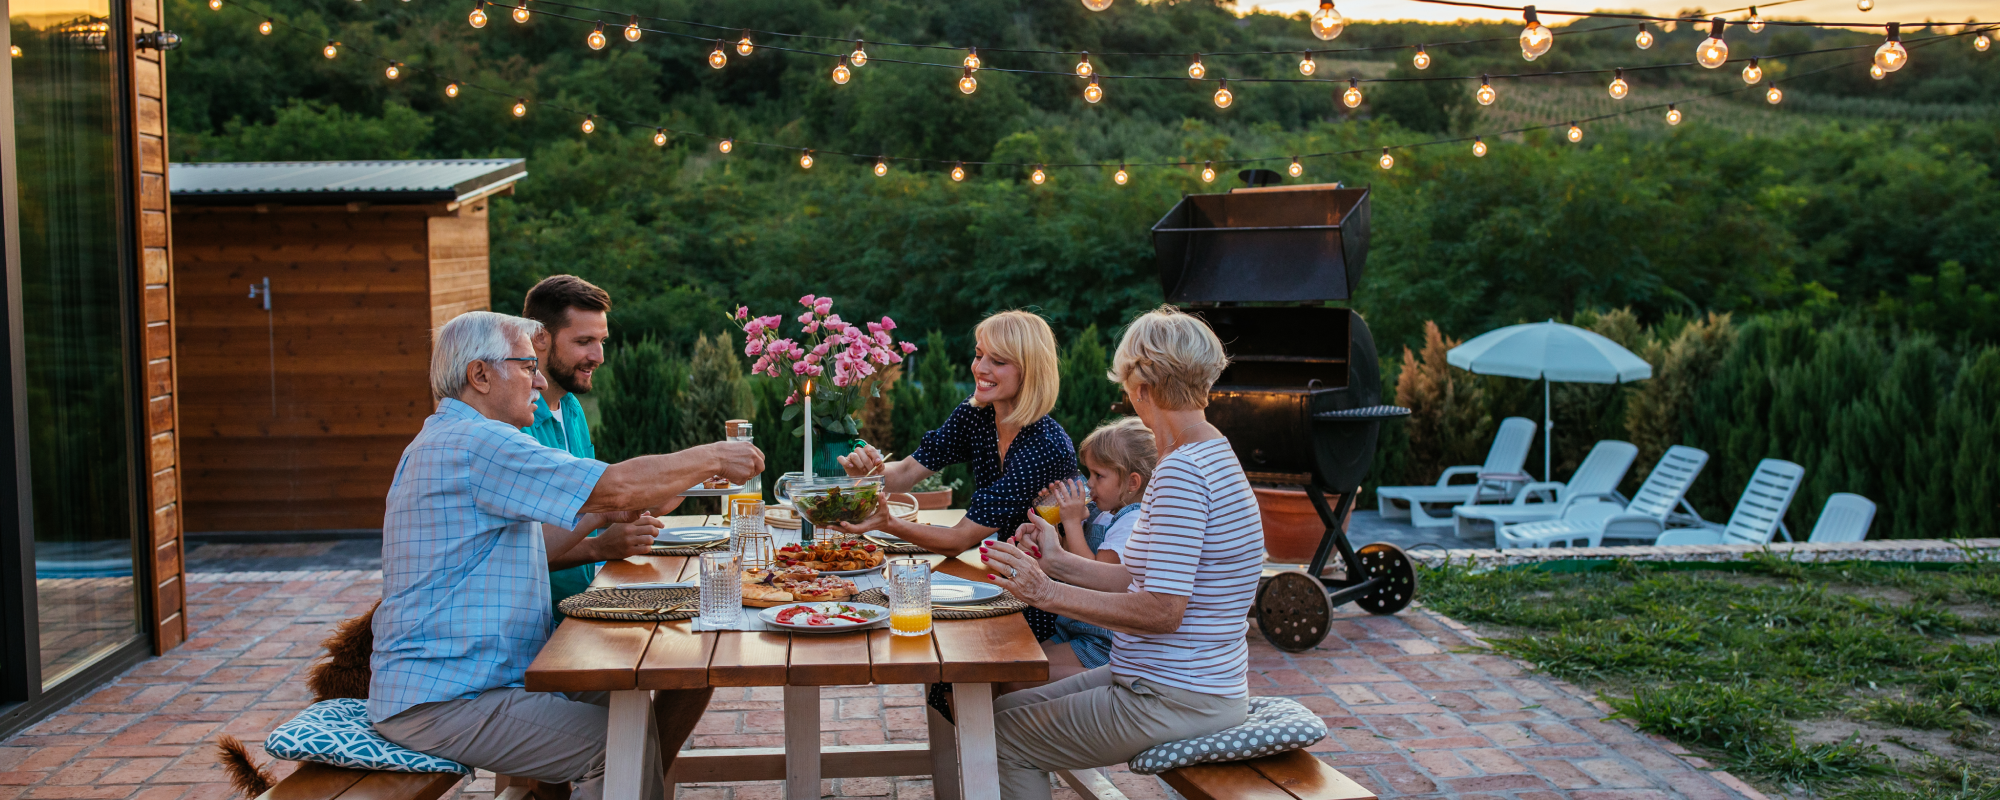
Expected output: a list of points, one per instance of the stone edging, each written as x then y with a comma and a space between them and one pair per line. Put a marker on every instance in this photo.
1721, 776
1898, 550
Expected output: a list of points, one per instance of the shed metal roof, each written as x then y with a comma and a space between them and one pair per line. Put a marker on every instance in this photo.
339, 182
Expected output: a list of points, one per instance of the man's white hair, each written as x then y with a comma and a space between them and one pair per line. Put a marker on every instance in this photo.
473, 336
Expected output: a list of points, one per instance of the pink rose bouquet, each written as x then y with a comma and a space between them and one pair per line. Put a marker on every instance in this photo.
826, 343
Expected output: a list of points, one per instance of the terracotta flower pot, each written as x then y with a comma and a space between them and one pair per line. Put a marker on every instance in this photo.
933, 500
1292, 528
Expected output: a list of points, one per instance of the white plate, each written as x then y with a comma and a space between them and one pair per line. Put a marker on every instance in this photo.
958, 592
696, 535
703, 491
770, 615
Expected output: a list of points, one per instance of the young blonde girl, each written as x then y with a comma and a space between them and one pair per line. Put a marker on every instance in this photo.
1118, 458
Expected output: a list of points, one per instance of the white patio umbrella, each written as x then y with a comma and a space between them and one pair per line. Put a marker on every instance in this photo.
1550, 351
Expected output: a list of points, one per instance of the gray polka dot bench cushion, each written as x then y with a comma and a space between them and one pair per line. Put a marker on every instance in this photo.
1276, 724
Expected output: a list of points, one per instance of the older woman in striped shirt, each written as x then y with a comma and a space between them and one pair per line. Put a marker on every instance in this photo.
1178, 605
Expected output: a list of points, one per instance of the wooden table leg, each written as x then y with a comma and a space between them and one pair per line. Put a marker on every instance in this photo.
979, 768
801, 743
944, 756
625, 744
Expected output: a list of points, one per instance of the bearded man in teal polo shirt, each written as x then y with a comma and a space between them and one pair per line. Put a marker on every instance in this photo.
571, 348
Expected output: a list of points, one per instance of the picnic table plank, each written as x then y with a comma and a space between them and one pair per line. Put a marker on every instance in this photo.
1308, 778
402, 786
744, 658
677, 657
829, 659
590, 655
1232, 780
902, 659
640, 569
313, 781
967, 565
990, 650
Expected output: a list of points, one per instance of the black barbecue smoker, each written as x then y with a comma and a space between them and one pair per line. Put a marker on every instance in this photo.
1301, 400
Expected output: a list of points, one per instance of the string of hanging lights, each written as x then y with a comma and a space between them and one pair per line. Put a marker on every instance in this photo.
1039, 175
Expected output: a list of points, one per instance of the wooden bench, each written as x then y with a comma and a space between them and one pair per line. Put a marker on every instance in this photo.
1293, 775
321, 782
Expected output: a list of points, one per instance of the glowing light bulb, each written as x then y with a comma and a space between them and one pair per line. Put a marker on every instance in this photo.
1387, 161
1713, 52
659, 137
1120, 177
264, 27
215, 5
589, 125
596, 38
1207, 172
1097, 5
478, 16
972, 58
520, 106
1478, 147
1306, 65
1875, 71
1575, 133
1865, 5
14, 50
881, 167
1093, 92
1752, 73
1296, 169
1645, 38
717, 58
394, 71
1891, 56
1535, 38
1039, 177
966, 84
1327, 23
859, 58
958, 172
521, 12
743, 45
330, 50
1485, 94
1618, 86
451, 90
1421, 60
1083, 66
1981, 42
1755, 23
632, 29
840, 73
806, 160
1196, 70
1673, 115
1222, 96
1773, 96
726, 146
1351, 97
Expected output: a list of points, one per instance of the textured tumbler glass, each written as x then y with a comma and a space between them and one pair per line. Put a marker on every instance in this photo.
909, 593
721, 588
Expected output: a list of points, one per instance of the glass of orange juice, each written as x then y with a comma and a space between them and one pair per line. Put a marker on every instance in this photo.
909, 593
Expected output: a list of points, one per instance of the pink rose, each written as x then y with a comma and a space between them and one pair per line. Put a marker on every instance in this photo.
812, 327
799, 368
753, 347
806, 318
794, 398
834, 320
807, 301
888, 324
820, 349
742, 312
824, 306
882, 339
908, 347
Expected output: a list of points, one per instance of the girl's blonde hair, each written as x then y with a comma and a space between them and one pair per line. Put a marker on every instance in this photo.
1021, 337
1125, 445
1173, 352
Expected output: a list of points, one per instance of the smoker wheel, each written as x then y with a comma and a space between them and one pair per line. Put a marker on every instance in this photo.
1387, 560
1293, 612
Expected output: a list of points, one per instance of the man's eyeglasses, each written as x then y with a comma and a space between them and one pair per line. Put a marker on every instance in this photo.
528, 364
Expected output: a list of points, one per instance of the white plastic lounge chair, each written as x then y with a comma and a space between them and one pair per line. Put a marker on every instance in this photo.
1845, 518
1506, 457
1586, 523
1759, 515
1598, 475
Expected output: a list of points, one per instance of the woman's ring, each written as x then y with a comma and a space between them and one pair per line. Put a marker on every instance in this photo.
1012, 573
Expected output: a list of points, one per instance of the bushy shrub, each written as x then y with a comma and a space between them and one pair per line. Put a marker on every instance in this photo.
640, 406
1087, 396
718, 390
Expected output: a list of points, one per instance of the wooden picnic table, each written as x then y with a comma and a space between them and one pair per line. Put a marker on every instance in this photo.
631, 659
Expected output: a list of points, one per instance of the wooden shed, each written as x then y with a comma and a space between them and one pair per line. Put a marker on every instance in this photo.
305, 300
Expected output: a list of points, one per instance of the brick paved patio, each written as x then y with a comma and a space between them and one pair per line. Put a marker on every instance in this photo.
1414, 709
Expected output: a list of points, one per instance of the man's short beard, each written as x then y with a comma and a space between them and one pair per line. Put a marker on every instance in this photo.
565, 375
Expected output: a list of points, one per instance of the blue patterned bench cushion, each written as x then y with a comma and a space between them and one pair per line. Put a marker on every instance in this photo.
338, 732
1275, 725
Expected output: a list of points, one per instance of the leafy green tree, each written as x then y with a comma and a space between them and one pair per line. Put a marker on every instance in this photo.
717, 391
1087, 395
640, 407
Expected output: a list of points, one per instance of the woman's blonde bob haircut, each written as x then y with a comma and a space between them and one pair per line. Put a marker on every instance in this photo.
1173, 352
1023, 338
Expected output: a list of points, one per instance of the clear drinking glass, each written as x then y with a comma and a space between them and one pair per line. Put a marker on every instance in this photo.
909, 593
721, 588
747, 536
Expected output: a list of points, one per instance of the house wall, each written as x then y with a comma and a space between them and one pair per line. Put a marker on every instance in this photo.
149, 115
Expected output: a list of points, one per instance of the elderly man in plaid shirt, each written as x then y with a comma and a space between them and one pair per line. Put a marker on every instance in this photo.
475, 509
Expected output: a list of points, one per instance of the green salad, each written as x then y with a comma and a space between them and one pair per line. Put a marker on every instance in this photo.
839, 504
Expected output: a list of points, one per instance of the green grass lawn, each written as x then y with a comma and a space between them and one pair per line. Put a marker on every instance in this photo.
1850, 680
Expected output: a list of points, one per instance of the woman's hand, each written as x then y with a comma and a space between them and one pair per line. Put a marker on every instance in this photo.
1073, 498
1018, 573
863, 461
877, 520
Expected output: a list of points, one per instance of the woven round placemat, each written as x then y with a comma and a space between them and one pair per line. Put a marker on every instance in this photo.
688, 549
633, 605
1002, 606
